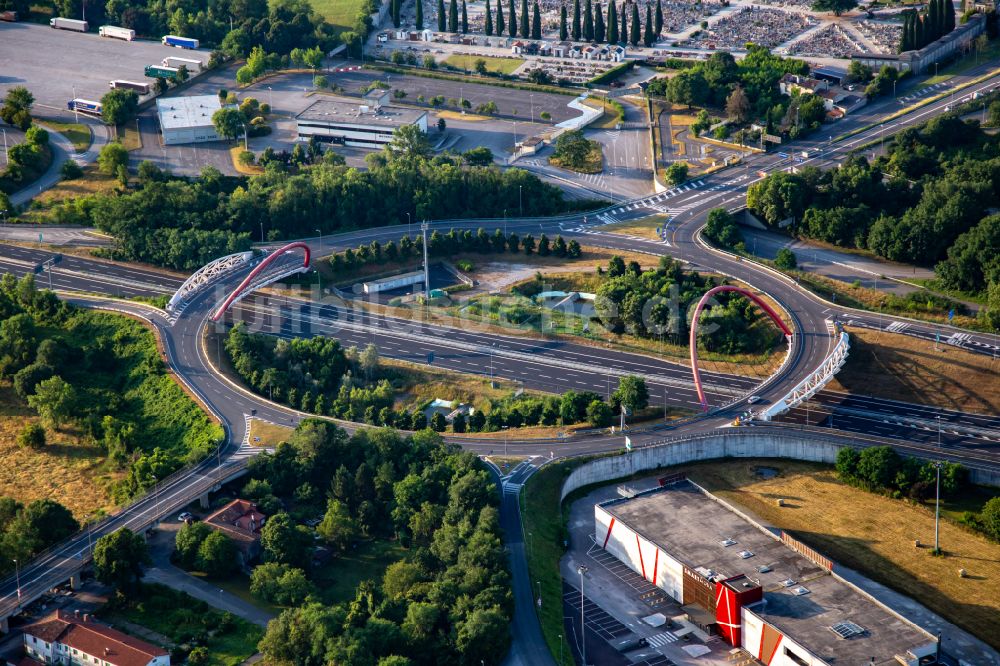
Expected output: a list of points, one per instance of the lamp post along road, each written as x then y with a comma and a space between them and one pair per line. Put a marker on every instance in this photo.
582, 569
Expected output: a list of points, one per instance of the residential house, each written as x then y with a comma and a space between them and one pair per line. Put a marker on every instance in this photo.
241, 522
790, 83
517, 48
70, 639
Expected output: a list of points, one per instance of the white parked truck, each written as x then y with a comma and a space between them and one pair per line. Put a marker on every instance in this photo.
68, 24
118, 33
191, 64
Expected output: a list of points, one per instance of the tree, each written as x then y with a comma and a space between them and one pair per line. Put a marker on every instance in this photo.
632, 393
838, 7
564, 33
32, 436
599, 414
525, 18
368, 361
187, 542
599, 28
877, 466
658, 24
721, 228
633, 37
577, 28
847, 463
512, 21
112, 156
623, 32
612, 22
419, 18
119, 106
588, 21
647, 34
228, 122
785, 259
677, 173
217, 555
737, 105
482, 635
990, 517
119, 558
337, 527
572, 148
395, 13
54, 400
438, 422
489, 19
500, 25
536, 21
481, 156
285, 542
442, 17
465, 19
16, 109
408, 142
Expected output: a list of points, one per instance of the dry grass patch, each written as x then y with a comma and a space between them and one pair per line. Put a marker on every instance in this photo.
872, 534
901, 367
66, 470
267, 434
644, 228
245, 169
610, 118
458, 115
91, 182
493, 63
417, 384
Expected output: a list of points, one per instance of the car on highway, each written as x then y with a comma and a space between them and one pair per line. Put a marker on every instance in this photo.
184, 517
754, 398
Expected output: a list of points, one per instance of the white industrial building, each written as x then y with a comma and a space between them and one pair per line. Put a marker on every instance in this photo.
773, 599
367, 124
188, 119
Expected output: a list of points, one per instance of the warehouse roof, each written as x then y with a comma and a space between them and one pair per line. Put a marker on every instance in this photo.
355, 113
704, 534
185, 112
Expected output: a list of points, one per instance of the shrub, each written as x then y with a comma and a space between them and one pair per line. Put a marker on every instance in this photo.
32, 436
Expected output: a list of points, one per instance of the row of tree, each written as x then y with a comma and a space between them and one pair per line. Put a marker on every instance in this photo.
454, 242
446, 601
922, 28
184, 223
881, 469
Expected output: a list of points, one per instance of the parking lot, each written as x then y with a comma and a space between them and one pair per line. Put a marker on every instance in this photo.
58, 65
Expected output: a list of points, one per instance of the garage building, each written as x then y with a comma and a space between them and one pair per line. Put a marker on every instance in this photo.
365, 125
188, 119
773, 599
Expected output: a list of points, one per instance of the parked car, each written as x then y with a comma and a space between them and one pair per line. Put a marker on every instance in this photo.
186, 516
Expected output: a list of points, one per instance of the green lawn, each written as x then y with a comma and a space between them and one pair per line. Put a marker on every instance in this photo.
340, 13
77, 133
964, 63
338, 579
181, 618
493, 64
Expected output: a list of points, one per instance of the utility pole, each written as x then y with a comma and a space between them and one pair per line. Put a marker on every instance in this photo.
937, 510
427, 272
17, 573
582, 569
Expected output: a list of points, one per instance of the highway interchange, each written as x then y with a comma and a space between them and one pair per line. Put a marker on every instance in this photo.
967, 438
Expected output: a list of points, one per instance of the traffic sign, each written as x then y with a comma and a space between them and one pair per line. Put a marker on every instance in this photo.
430, 357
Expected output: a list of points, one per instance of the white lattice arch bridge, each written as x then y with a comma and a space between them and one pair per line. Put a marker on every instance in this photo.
205, 276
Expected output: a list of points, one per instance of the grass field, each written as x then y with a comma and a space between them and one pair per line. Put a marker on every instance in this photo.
44, 206
269, 434
67, 470
77, 133
339, 13
180, 617
901, 367
245, 169
338, 579
493, 64
610, 118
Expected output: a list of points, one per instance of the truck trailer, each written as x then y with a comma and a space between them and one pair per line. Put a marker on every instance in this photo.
117, 33
68, 24
192, 64
141, 88
179, 42
9, 16
85, 106
159, 71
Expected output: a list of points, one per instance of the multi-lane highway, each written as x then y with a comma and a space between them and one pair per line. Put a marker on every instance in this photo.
537, 363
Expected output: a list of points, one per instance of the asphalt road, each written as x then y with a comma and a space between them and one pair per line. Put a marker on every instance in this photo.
190, 361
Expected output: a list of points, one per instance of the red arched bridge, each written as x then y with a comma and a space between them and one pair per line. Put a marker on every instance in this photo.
694, 329
271, 269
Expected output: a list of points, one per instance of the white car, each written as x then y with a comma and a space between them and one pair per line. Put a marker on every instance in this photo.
754, 398
184, 517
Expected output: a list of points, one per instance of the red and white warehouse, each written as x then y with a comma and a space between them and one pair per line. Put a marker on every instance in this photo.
772, 596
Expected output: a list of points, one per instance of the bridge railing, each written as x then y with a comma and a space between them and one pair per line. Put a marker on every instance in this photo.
816, 380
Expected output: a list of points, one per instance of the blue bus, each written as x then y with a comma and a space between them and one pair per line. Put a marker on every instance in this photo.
84, 106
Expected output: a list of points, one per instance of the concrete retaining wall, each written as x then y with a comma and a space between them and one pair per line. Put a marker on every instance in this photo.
736, 443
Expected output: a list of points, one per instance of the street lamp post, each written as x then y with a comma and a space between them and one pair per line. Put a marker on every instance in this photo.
520, 198
939, 430
937, 509
506, 432
17, 573
262, 231
582, 569
409, 221
319, 277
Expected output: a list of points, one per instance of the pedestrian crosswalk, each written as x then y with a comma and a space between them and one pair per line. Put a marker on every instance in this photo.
661, 639
897, 326
958, 339
511, 488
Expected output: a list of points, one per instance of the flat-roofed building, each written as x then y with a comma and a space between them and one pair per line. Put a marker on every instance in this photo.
366, 125
188, 119
774, 597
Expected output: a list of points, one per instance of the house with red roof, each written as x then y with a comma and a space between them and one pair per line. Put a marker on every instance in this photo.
75, 640
241, 521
